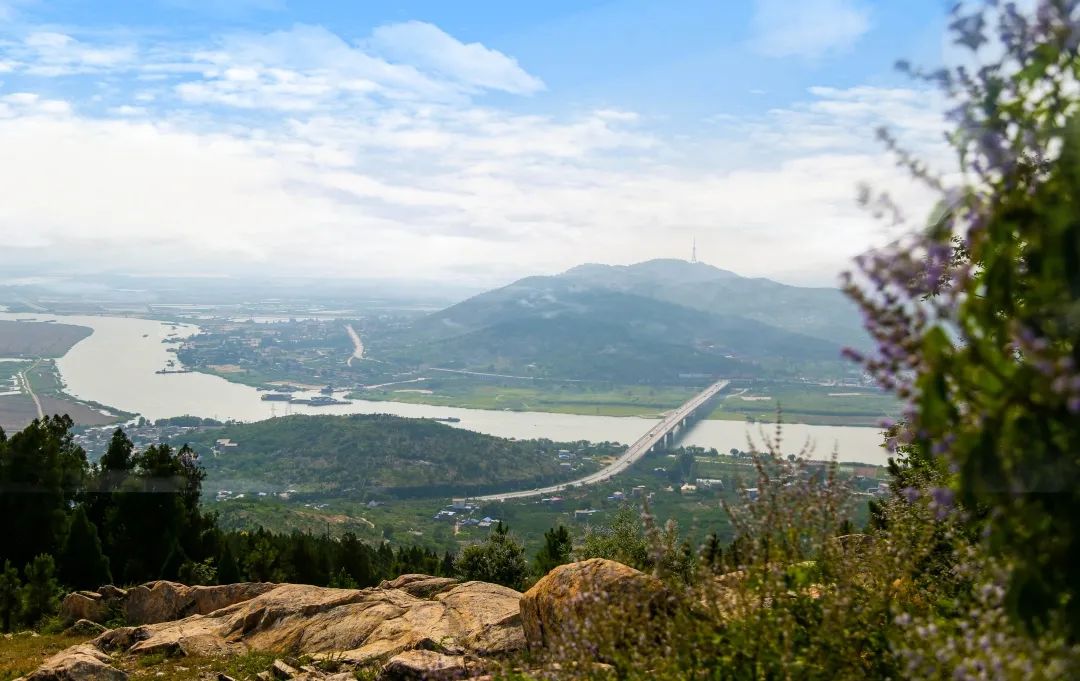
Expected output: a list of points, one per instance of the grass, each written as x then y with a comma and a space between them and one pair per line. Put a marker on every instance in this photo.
22, 653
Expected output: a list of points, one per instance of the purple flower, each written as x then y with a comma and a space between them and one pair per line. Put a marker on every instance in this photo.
910, 493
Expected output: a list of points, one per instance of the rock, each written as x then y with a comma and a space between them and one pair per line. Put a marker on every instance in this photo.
421, 586
112, 593
283, 670
222, 676
426, 665
350, 627
85, 628
164, 601
79, 663
599, 604
84, 605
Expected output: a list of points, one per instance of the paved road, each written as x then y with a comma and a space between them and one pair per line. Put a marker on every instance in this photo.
358, 345
630, 456
30, 389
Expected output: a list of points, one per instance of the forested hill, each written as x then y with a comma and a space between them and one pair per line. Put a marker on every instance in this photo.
653, 322
365, 455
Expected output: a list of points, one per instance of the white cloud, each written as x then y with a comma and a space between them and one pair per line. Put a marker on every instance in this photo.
473, 64
808, 28
50, 54
443, 189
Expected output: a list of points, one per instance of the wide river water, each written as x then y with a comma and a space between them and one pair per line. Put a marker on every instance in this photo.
115, 366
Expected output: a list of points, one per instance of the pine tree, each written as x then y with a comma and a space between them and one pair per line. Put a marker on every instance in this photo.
119, 456
9, 596
228, 570
555, 552
83, 565
41, 593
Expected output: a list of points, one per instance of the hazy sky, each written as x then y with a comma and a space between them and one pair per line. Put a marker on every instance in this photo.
475, 140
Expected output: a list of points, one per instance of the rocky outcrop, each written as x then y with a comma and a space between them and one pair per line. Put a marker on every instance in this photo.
597, 605
78, 663
416, 621
156, 601
412, 627
421, 586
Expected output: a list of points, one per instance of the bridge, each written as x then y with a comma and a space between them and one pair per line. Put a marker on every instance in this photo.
662, 433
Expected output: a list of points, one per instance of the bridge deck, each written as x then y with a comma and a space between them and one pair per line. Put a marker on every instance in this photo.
628, 458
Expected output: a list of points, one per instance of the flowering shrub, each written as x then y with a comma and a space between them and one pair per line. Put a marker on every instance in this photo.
977, 319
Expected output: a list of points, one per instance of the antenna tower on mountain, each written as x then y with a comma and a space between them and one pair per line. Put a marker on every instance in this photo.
693, 251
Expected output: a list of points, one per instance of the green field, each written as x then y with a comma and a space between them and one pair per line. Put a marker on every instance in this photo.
562, 398
800, 403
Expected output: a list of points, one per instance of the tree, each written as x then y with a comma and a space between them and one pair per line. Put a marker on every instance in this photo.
500, 560
622, 540
83, 565
42, 471
555, 551
120, 454
9, 595
228, 570
41, 593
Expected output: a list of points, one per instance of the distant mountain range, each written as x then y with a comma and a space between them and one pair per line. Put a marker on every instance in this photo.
650, 322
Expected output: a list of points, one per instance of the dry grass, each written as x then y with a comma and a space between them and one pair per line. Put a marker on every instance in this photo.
22, 653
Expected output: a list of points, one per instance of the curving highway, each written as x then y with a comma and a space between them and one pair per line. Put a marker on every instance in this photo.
637, 450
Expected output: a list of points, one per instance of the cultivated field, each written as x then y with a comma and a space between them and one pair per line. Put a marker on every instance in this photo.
38, 339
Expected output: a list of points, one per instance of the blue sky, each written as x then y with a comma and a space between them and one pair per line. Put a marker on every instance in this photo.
474, 140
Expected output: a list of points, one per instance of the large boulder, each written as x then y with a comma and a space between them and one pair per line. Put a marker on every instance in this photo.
164, 601
78, 663
84, 605
593, 607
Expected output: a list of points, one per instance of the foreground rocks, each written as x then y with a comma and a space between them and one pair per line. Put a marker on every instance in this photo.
78, 663
597, 605
412, 627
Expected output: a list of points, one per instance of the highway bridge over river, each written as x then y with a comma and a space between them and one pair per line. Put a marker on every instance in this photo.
662, 432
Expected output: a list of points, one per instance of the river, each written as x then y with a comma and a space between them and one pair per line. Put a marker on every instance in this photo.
115, 366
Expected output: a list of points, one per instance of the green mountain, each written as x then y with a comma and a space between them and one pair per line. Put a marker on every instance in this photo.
823, 313
655, 322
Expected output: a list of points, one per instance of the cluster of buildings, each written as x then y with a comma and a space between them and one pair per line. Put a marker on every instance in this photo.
461, 512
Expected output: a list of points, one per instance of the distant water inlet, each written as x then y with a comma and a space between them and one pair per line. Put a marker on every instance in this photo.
117, 365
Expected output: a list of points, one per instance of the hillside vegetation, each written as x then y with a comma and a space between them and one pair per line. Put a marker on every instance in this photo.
365, 454
646, 323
